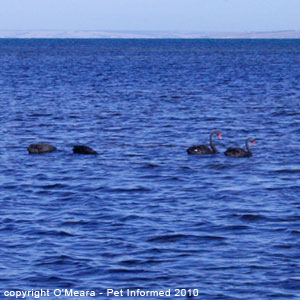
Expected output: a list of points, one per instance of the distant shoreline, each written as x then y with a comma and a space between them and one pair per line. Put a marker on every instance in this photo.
97, 34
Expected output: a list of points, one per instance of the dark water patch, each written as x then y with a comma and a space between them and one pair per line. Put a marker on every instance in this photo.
291, 284
181, 237
284, 246
281, 296
10, 186
167, 145
53, 186
51, 280
151, 165
40, 115
219, 167
252, 217
288, 171
60, 260
289, 218
130, 218
236, 228
129, 271
79, 222
261, 267
131, 262
129, 190
52, 233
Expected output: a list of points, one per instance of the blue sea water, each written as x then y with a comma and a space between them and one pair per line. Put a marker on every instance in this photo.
143, 213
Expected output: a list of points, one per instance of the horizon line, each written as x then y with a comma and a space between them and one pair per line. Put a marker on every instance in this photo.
147, 34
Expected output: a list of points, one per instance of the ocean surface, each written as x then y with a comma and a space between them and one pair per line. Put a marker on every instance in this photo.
144, 214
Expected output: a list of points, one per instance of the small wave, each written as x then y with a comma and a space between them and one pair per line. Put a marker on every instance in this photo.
219, 166
54, 280
132, 262
45, 125
131, 218
168, 238
40, 115
129, 190
259, 267
52, 186
128, 271
179, 237
236, 227
56, 260
54, 233
291, 284
81, 222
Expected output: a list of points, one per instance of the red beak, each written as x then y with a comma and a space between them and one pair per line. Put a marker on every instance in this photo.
220, 135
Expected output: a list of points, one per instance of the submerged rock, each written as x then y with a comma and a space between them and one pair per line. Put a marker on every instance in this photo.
81, 149
40, 148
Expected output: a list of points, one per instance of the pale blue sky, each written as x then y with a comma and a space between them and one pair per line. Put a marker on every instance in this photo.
186, 15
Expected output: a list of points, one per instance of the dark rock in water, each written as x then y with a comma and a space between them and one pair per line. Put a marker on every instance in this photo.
40, 148
81, 149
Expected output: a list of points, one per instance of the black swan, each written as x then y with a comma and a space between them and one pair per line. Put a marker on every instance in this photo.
203, 149
239, 152
81, 149
40, 148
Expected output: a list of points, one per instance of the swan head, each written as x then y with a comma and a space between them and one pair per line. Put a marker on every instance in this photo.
252, 141
218, 133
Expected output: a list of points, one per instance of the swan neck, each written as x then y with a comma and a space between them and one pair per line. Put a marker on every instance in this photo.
247, 146
211, 143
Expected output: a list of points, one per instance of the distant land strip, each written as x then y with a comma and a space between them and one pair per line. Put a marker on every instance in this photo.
97, 34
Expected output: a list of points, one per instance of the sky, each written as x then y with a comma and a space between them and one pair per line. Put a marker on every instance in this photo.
150, 15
